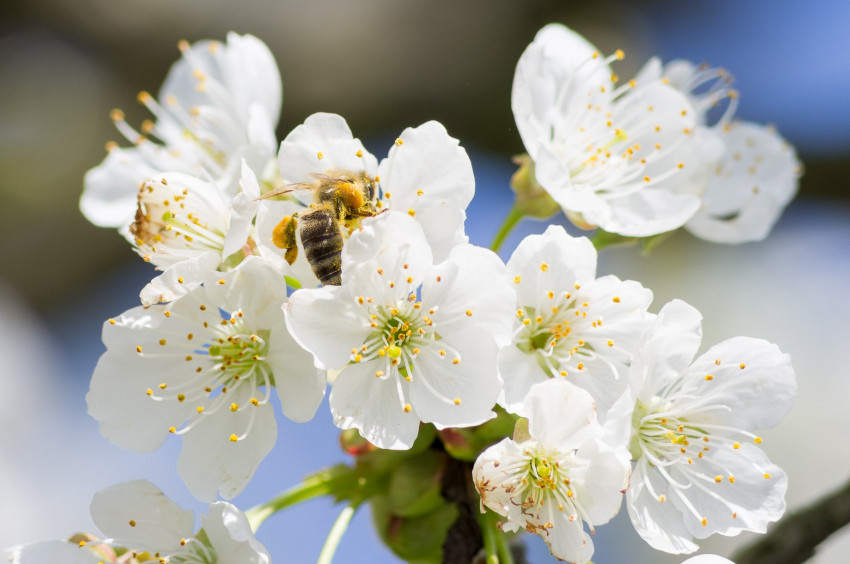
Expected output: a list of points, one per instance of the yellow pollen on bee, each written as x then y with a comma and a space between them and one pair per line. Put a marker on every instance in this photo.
319, 155
233, 438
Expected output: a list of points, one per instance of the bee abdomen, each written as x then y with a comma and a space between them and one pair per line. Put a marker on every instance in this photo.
322, 242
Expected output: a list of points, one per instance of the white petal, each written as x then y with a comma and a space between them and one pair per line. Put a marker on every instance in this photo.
139, 516
211, 462
231, 536
326, 323
750, 186
600, 480
321, 145
519, 371
430, 174
668, 348
117, 399
243, 210
560, 415
373, 405
111, 189
569, 260
179, 279
707, 559
754, 380
559, 59
300, 386
749, 504
465, 392
471, 295
659, 523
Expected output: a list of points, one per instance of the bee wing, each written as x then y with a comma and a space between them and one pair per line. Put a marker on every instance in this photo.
285, 189
326, 178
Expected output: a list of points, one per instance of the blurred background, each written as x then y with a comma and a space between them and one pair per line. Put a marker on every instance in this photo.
385, 66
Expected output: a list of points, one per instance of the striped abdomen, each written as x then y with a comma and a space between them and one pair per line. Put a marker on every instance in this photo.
322, 242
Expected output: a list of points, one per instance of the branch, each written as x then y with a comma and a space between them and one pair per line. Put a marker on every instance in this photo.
794, 539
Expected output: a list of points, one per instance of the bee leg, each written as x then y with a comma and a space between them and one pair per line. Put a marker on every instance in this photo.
367, 210
283, 237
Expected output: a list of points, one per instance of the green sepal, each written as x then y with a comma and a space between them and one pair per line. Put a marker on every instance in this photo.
415, 484
521, 432
531, 198
416, 539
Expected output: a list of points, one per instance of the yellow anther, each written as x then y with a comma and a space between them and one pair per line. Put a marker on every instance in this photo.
172, 430
149, 392
469, 313
619, 54
766, 476
517, 279
222, 281
181, 398
200, 409
742, 366
407, 408
662, 498
233, 438
718, 479
544, 267
379, 373
359, 153
319, 155
616, 299
610, 343
456, 401
234, 407
163, 386
709, 377
456, 361
757, 440
411, 212
704, 521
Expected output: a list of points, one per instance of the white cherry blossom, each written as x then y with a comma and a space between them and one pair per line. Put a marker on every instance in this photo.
748, 187
569, 323
560, 476
414, 340
750, 173
203, 366
138, 517
707, 559
426, 173
185, 227
698, 469
219, 104
607, 154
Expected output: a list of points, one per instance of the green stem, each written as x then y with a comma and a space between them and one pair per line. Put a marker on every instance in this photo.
602, 239
338, 529
490, 537
322, 483
505, 554
511, 221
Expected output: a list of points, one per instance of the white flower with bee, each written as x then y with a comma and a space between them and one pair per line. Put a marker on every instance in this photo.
698, 468
414, 339
426, 175
219, 104
203, 367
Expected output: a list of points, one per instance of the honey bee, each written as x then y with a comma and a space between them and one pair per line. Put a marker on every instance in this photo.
339, 198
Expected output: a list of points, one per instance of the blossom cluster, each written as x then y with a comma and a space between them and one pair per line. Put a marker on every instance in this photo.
285, 269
